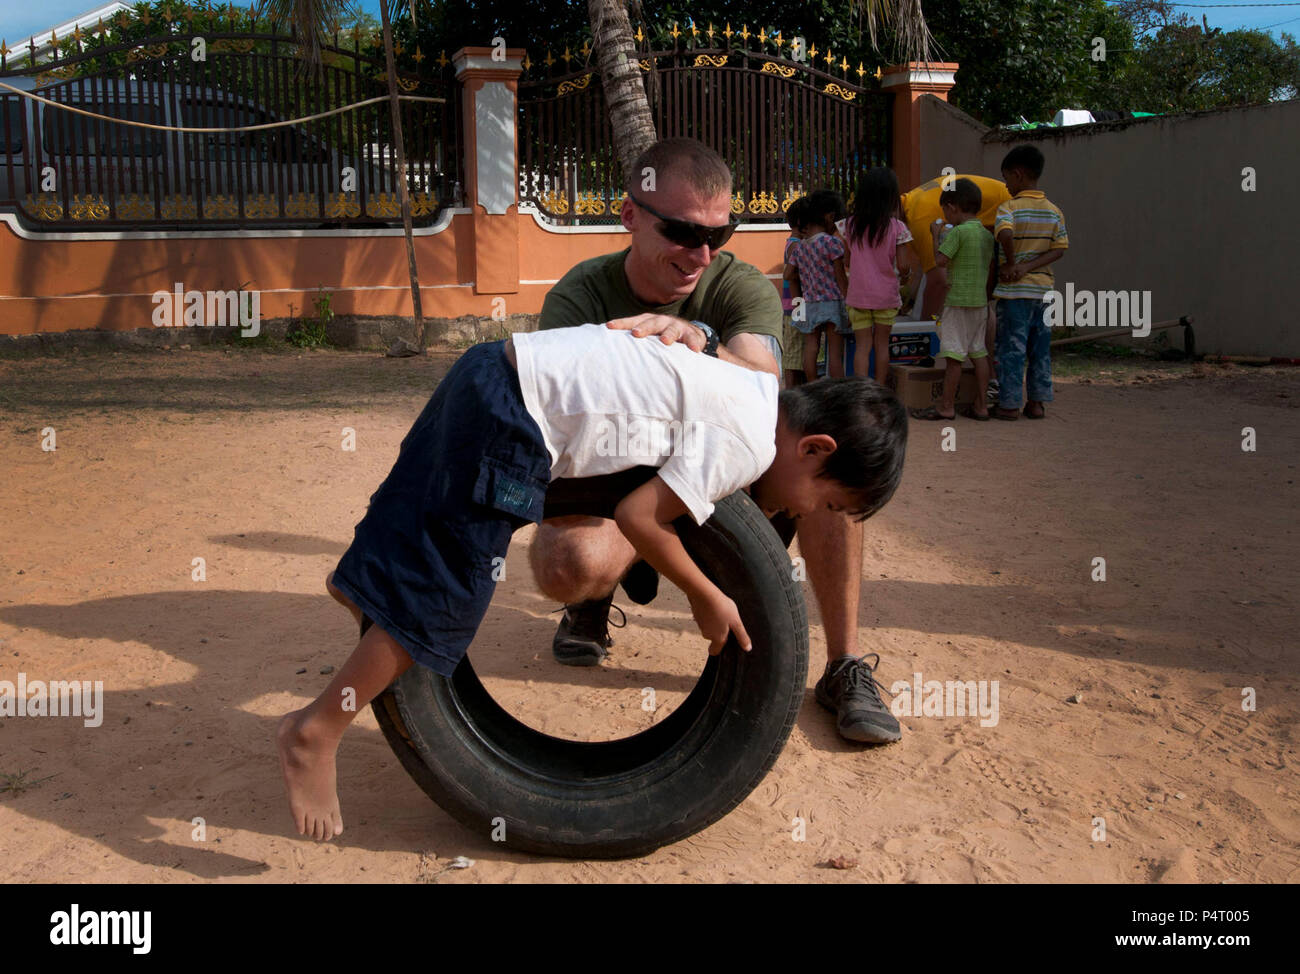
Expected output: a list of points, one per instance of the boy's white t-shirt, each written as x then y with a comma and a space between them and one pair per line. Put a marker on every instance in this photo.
607, 401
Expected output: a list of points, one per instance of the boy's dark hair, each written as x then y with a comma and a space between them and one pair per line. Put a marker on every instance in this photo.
1026, 157
874, 205
869, 426
964, 195
823, 203
797, 214
692, 161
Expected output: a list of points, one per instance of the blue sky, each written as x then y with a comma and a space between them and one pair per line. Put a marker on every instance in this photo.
19, 18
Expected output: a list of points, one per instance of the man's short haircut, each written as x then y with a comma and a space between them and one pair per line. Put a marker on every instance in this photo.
689, 160
1026, 157
964, 195
869, 426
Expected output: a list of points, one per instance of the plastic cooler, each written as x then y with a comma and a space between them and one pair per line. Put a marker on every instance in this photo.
909, 343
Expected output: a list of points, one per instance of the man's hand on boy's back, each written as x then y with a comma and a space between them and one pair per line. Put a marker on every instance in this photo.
668, 328
744, 349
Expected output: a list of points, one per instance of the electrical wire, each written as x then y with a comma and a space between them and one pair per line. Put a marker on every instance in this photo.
204, 131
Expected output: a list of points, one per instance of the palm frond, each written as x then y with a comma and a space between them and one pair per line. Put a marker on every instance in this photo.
310, 20
910, 29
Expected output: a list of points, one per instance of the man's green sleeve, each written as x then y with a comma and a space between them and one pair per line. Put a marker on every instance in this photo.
751, 305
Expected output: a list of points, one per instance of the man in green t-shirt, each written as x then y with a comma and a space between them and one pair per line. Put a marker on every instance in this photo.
674, 282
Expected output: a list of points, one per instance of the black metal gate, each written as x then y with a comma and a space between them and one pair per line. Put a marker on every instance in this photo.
785, 125
65, 171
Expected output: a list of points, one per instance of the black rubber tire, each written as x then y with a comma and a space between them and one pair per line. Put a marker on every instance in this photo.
626, 797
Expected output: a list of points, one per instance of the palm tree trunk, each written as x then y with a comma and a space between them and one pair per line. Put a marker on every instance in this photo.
403, 193
625, 98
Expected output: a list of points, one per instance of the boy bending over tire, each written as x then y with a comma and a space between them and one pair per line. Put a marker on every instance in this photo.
511, 416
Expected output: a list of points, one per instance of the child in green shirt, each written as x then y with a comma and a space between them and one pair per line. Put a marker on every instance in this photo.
963, 263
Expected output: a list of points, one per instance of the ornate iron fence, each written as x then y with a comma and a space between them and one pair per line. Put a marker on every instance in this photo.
784, 124
60, 170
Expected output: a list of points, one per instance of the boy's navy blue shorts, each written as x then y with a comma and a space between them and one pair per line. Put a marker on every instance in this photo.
471, 471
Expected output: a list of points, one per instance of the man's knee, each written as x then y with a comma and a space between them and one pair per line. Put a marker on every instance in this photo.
573, 556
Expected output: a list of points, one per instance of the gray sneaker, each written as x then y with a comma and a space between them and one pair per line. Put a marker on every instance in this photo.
583, 638
848, 687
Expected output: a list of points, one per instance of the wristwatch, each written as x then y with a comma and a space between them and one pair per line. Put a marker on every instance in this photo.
710, 338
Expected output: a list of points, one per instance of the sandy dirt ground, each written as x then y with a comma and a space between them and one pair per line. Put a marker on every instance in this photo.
980, 569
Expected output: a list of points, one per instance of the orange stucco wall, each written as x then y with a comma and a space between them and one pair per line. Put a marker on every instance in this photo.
109, 284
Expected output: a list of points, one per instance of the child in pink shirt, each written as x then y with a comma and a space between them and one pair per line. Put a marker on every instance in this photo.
880, 246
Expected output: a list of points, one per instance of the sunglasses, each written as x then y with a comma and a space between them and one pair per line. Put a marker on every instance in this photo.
689, 235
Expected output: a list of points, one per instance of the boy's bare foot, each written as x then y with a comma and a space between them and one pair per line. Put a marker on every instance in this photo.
1035, 410
1010, 415
307, 763
342, 599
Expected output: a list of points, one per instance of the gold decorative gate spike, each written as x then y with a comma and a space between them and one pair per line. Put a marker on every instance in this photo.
179, 208
221, 208
589, 202
134, 207
45, 207
262, 207
555, 201
577, 84
342, 205
302, 205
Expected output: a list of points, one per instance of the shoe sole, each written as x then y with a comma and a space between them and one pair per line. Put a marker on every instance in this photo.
857, 736
579, 659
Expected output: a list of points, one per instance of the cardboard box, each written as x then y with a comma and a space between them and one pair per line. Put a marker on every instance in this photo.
918, 387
